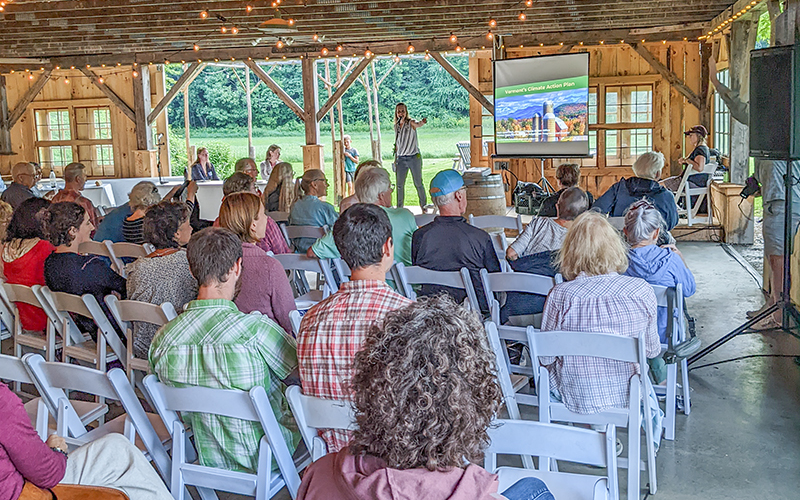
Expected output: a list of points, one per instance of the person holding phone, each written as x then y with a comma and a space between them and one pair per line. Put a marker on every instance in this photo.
407, 156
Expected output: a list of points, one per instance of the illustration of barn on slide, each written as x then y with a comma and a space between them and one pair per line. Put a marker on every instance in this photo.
548, 127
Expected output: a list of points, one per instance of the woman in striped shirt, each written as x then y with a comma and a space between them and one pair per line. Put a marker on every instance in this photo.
407, 155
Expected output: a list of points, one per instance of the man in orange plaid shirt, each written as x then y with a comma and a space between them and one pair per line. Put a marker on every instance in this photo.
333, 331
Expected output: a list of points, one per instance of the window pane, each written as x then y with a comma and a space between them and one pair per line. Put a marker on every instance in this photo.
624, 146
629, 104
722, 118
93, 123
52, 125
55, 157
592, 105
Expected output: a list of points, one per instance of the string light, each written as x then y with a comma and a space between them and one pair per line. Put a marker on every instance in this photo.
522, 16
492, 23
427, 56
223, 30
30, 77
490, 35
234, 30
101, 80
410, 48
315, 37
339, 48
290, 20
458, 48
368, 53
529, 3
279, 44
249, 9
135, 74
196, 47
203, 14
397, 59
453, 37
324, 51
66, 80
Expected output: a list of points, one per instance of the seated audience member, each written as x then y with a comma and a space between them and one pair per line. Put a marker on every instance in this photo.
74, 181
662, 265
33, 469
271, 161
67, 225
424, 392
597, 298
248, 167
273, 240
25, 249
309, 210
697, 159
375, 187
334, 330
568, 175
202, 169
353, 198
264, 287
450, 242
164, 275
143, 196
621, 195
279, 191
23, 175
544, 234
213, 344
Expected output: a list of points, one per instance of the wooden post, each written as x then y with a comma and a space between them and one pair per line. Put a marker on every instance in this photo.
339, 102
5, 127
705, 87
312, 151
251, 151
186, 125
368, 91
142, 109
743, 35
377, 147
338, 169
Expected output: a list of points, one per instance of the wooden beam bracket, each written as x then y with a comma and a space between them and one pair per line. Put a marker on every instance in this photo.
273, 86
671, 77
185, 79
463, 81
351, 78
28, 98
112, 96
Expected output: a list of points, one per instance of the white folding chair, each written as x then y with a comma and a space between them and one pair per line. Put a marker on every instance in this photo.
293, 232
7, 319
104, 249
302, 264
295, 319
501, 221
416, 275
46, 342
571, 444
251, 406
509, 383
607, 346
515, 282
123, 250
108, 345
670, 391
686, 191
424, 219
312, 414
279, 217
52, 379
343, 270
126, 311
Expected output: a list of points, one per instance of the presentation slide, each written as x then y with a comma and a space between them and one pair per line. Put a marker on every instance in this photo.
541, 106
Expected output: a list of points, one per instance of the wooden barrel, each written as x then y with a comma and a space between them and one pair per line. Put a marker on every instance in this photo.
486, 195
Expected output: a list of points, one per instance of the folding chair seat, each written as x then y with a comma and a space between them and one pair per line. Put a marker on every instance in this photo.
46, 341
312, 414
343, 271
103, 249
305, 296
424, 219
124, 250
686, 191
408, 276
515, 282
126, 311
560, 442
6, 318
251, 406
501, 221
295, 319
607, 346
107, 347
52, 379
293, 232
677, 326
281, 218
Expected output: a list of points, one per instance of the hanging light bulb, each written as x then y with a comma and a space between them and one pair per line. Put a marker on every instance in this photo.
223, 30
427, 56
196, 47
235, 30
290, 20
66, 80
522, 16
410, 48
135, 74
101, 80
529, 3
339, 48
458, 48
453, 37
315, 37
249, 9
397, 59
279, 44
490, 35
324, 51
203, 14
492, 23
368, 53
30, 77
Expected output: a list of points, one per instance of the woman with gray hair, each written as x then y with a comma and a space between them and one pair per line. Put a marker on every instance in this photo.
658, 265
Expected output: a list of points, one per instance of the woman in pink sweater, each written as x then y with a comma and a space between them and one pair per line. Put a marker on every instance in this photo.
28, 465
425, 393
265, 287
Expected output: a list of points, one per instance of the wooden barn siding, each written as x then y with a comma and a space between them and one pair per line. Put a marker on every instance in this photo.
613, 64
81, 92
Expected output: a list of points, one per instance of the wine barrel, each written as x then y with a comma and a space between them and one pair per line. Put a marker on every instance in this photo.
485, 195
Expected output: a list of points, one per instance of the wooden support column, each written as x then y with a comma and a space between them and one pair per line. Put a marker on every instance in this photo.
5, 128
743, 39
671, 77
112, 96
188, 76
705, 87
463, 81
312, 151
142, 109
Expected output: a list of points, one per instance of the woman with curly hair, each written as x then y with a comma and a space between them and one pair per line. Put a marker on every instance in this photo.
67, 225
425, 392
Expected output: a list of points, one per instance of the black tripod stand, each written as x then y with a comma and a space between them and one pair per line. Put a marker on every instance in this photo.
785, 305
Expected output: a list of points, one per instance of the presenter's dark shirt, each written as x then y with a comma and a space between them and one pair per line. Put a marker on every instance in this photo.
450, 243
699, 179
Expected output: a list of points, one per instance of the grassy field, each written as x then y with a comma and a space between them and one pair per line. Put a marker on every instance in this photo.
438, 148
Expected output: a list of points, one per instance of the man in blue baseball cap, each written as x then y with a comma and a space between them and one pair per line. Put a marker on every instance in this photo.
450, 242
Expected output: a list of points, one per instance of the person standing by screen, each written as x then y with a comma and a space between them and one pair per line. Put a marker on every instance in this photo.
407, 155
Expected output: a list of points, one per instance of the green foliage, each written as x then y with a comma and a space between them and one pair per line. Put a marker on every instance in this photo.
762, 37
177, 152
221, 156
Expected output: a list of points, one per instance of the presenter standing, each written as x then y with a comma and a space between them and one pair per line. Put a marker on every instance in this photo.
407, 156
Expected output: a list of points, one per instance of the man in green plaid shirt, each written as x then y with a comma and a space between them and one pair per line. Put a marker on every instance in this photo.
213, 344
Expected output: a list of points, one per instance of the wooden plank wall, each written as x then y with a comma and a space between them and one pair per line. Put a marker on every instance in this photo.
609, 64
79, 91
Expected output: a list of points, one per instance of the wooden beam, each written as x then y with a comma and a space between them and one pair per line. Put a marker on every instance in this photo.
362, 65
310, 100
463, 81
186, 78
273, 86
28, 98
5, 128
142, 108
671, 77
112, 96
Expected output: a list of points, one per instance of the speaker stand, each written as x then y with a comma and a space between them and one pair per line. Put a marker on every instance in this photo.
788, 310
